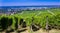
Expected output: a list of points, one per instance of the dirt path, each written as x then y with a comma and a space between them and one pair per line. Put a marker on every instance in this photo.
39, 31
44, 31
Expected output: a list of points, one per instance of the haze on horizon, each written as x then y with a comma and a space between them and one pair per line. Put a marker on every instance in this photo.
28, 2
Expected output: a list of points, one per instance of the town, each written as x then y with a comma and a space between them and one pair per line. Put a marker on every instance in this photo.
14, 10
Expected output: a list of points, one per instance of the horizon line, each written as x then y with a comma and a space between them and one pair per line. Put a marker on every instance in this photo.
36, 5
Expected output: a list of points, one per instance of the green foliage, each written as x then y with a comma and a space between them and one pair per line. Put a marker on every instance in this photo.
39, 19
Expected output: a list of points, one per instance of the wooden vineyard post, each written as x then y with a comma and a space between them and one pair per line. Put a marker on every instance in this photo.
47, 24
31, 31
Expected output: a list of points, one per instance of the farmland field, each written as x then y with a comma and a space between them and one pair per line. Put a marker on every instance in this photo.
32, 21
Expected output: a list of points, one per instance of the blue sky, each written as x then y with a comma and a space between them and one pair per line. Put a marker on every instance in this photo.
28, 2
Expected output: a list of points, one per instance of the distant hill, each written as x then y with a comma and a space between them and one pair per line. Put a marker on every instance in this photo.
29, 6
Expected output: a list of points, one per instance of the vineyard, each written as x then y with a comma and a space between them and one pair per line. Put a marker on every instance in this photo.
45, 19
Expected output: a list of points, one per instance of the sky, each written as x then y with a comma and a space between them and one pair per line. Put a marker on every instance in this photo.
28, 2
